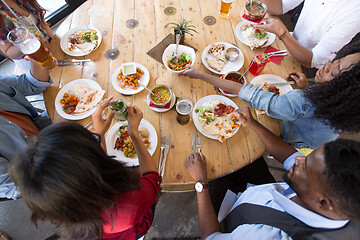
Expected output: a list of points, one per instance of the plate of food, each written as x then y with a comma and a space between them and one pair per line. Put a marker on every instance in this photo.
80, 41
213, 57
211, 117
178, 64
129, 84
267, 83
253, 37
119, 144
78, 99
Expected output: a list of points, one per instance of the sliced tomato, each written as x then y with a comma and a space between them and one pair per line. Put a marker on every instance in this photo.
229, 109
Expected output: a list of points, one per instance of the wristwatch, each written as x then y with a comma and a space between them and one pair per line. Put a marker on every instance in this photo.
200, 186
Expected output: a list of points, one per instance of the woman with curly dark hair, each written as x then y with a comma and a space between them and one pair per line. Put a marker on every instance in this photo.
311, 116
34, 13
66, 177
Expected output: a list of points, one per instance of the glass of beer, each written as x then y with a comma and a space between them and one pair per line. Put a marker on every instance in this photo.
225, 8
29, 45
184, 107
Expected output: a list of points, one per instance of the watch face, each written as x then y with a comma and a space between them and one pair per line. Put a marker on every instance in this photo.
199, 187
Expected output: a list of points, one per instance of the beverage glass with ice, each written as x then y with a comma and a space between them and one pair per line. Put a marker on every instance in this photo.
184, 107
29, 45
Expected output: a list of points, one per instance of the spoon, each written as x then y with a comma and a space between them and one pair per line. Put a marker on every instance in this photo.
177, 43
146, 88
242, 75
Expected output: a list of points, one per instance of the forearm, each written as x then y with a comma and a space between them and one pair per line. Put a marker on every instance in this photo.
274, 7
38, 72
273, 144
297, 51
146, 162
11, 51
207, 217
47, 29
227, 85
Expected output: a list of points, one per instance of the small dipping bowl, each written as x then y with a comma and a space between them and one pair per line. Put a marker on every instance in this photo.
232, 54
162, 88
257, 12
234, 76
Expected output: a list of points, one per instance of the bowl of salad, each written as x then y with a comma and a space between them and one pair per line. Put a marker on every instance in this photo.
185, 56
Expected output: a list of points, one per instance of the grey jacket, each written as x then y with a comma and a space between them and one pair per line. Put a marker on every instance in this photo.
13, 90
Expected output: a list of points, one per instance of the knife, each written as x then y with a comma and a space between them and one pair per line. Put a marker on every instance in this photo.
166, 151
73, 60
193, 144
282, 83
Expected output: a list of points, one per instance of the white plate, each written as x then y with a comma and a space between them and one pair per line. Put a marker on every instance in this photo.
173, 100
145, 78
229, 66
240, 35
170, 51
64, 43
113, 134
64, 89
247, 20
198, 124
269, 78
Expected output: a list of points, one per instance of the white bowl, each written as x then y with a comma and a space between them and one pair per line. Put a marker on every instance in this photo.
170, 52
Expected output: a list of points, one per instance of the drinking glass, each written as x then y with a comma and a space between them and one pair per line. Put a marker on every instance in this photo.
184, 107
122, 114
29, 45
258, 64
225, 8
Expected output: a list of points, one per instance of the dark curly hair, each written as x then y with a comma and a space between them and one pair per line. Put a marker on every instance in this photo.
337, 102
342, 168
66, 177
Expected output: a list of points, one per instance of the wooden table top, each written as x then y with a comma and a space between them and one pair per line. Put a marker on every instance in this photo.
110, 17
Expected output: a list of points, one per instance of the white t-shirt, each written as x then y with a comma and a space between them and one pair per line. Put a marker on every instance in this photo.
325, 26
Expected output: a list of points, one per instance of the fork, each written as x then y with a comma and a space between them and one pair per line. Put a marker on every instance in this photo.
198, 144
162, 147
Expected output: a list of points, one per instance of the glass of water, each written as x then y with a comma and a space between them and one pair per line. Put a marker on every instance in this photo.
184, 107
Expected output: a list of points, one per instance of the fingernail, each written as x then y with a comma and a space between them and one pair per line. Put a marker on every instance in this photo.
128, 104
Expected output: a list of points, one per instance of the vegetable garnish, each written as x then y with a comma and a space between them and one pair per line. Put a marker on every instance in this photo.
180, 62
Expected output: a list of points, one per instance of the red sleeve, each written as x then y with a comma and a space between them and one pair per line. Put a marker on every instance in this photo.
133, 207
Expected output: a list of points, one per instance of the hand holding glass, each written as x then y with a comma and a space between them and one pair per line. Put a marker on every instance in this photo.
29, 45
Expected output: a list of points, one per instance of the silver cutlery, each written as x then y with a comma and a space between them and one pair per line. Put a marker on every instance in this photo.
198, 144
139, 82
283, 83
193, 144
73, 60
166, 151
162, 147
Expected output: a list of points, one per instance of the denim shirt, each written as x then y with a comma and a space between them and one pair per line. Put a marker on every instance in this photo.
13, 90
299, 127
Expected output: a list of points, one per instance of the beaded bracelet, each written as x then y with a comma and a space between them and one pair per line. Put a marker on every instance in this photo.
282, 35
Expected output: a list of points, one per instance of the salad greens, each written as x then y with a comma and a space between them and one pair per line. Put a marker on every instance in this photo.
180, 62
260, 33
205, 114
90, 35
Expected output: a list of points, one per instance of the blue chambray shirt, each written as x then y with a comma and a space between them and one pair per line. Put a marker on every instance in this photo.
299, 127
13, 90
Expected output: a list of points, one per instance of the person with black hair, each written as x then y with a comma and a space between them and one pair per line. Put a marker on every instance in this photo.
66, 177
320, 198
314, 115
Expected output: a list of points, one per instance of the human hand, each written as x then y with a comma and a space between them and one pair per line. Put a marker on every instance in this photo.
102, 125
134, 117
196, 166
299, 78
271, 25
244, 115
193, 72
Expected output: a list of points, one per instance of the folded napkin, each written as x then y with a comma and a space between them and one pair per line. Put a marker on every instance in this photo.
167, 106
276, 59
253, 21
